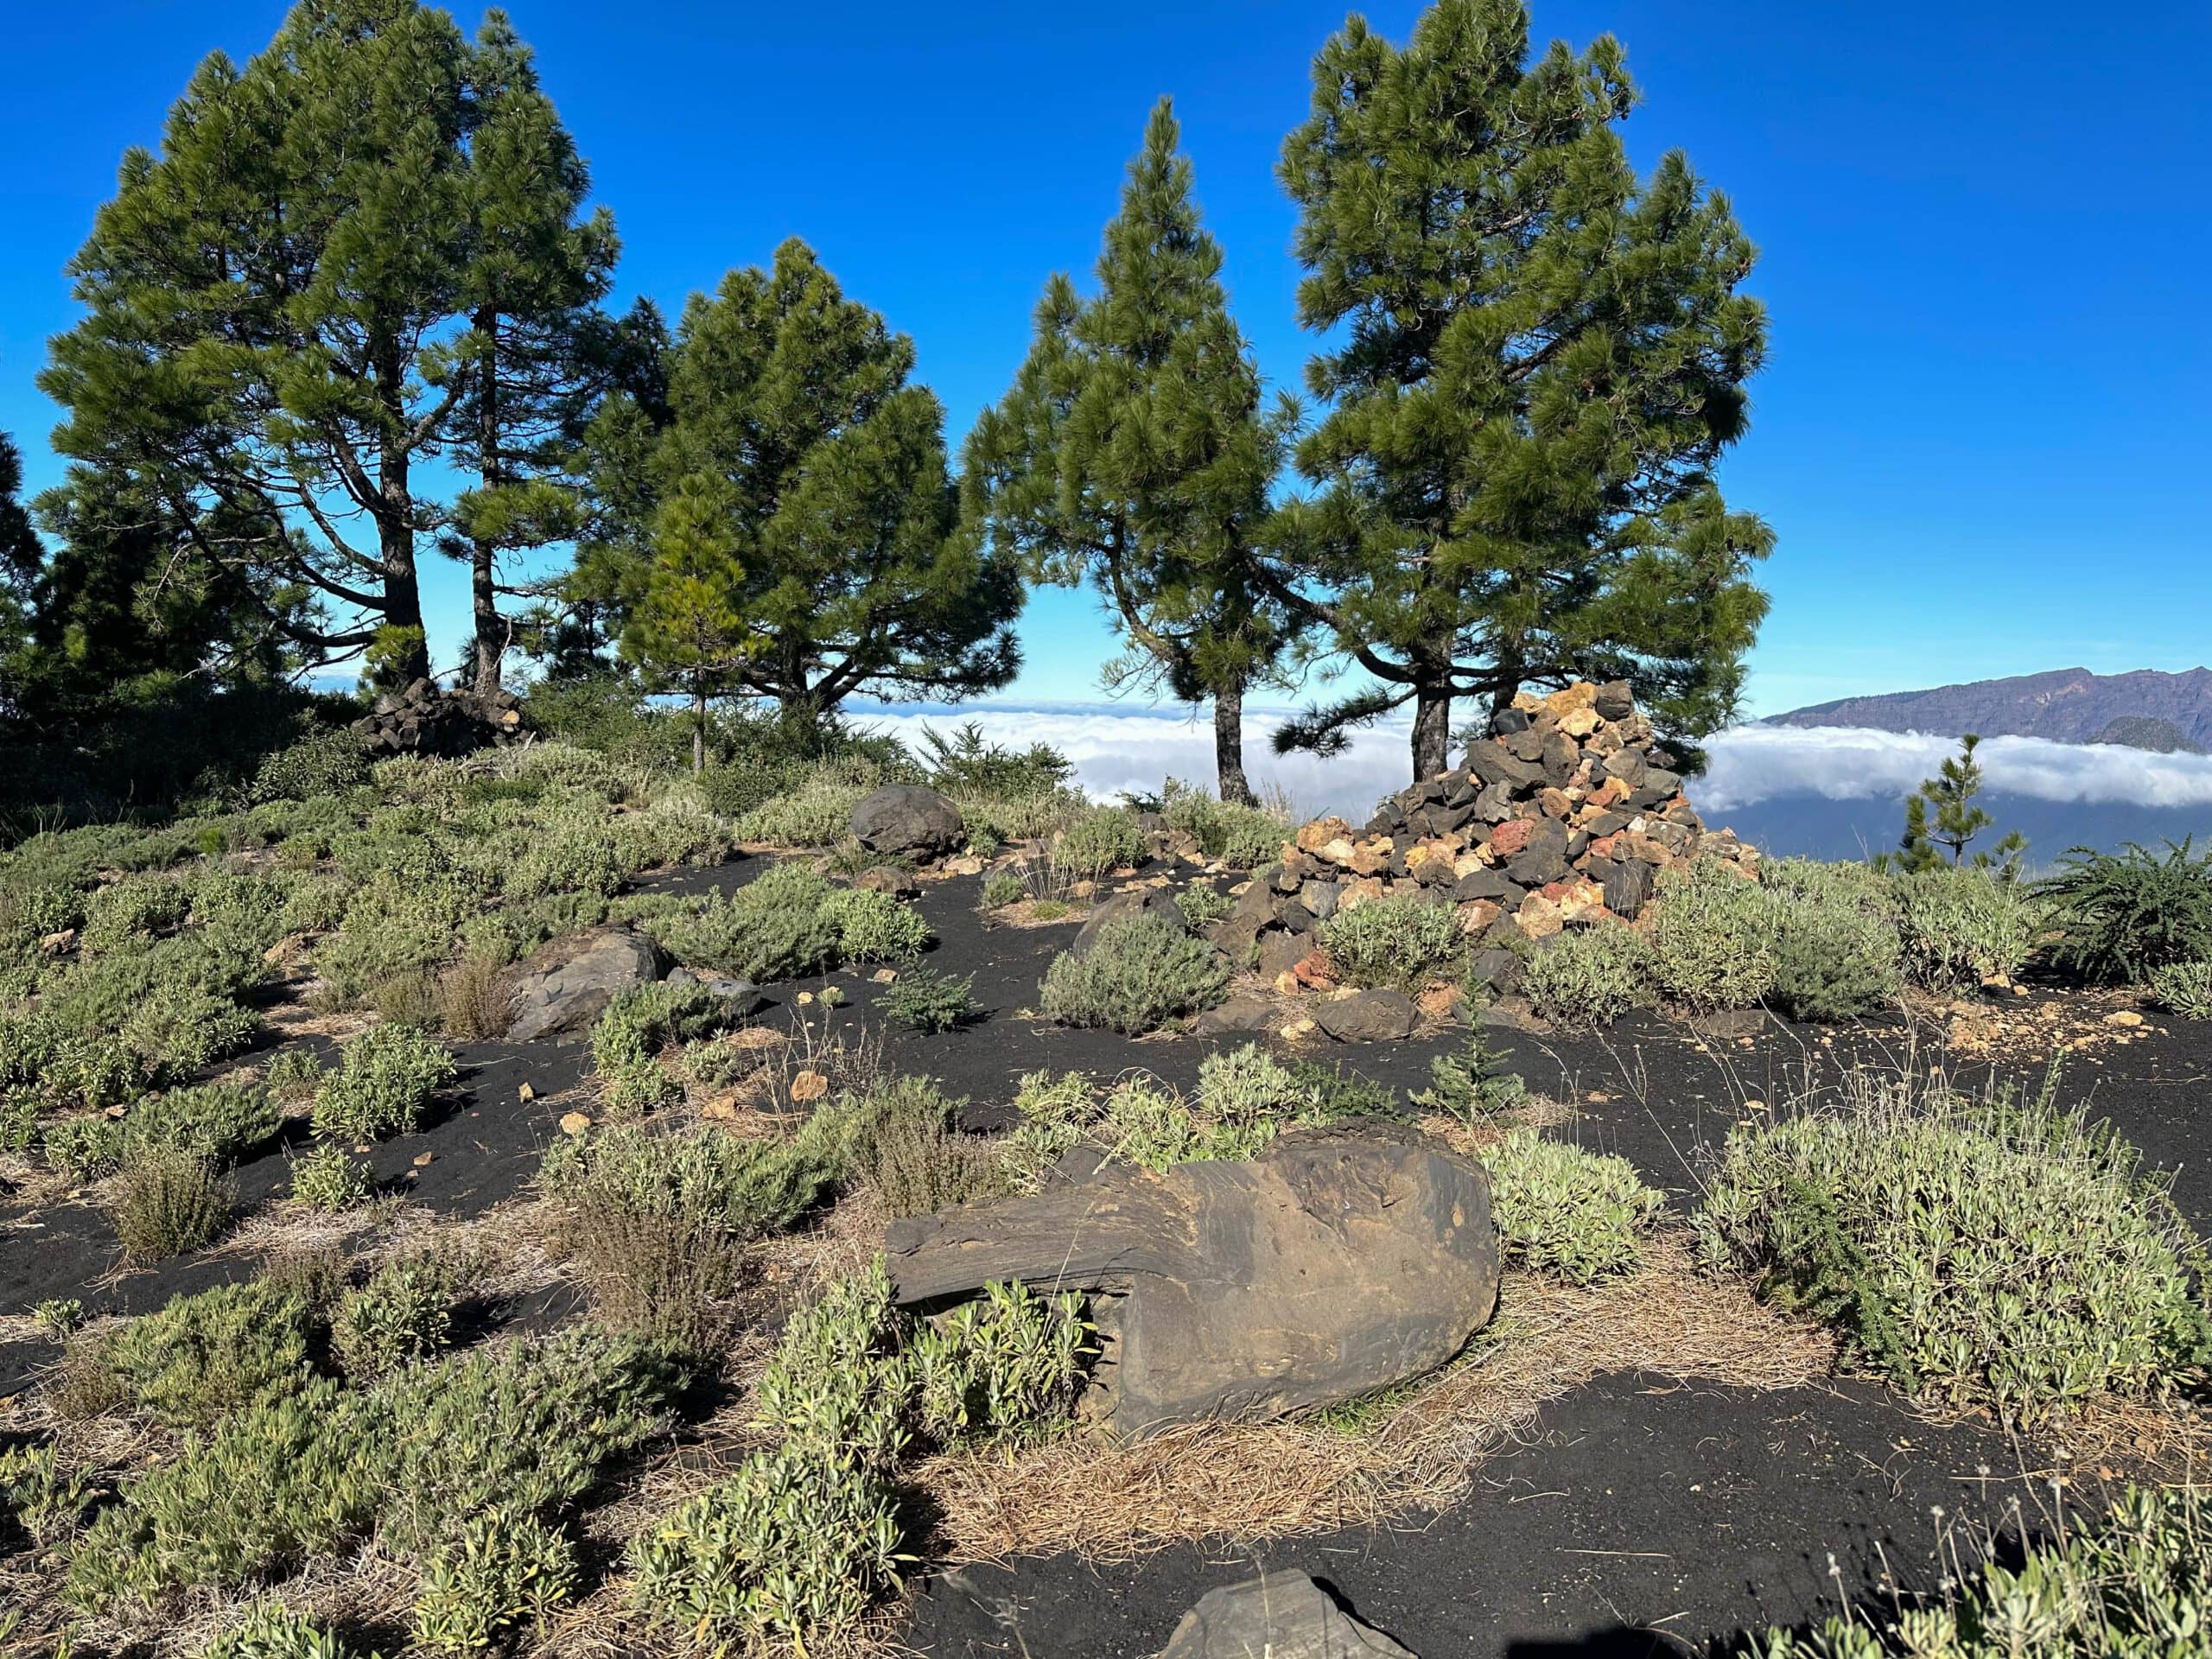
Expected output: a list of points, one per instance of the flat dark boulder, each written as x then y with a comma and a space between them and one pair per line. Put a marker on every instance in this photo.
1283, 1616
1337, 1261
908, 819
562, 990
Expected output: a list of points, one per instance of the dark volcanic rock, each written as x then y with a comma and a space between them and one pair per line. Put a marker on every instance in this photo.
1284, 1616
1147, 901
1367, 1016
562, 990
1336, 1262
907, 818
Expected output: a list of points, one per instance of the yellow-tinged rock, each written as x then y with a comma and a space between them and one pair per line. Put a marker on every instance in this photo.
885, 975
525, 1093
1287, 983
574, 1122
1565, 700
1578, 722
809, 1085
1539, 917
2124, 1017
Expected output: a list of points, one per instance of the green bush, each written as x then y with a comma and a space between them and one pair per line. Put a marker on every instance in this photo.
386, 1078
1243, 837
656, 1220
1968, 1250
166, 1202
402, 1313
874, 927
930, 1002
1710, 944
1004, 1366
643, 1020
777, 926
1138, 972
219, 1121
814, 808
1834, 962
1202, 905
2184, 987
330, 1178
1003, 887
213, 1352
1564, 1210
907, 1149
2121, 915
1471, 1086
1588, 976
133, 909
1098, 841
179, 1030
2131, 1586
323, 763
84, 1148
1406, 944
1960, 927
500, 1572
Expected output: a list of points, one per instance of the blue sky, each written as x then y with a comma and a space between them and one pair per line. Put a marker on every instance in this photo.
1984, 232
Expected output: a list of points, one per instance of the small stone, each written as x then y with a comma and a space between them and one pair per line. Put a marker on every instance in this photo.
422, 1159
525, 1093
809, 1085
806, 999
2124, 1017
885, 975
574, 1122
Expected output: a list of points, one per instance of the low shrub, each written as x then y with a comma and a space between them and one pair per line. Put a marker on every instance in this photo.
1710, 944
1004, 1366
205, 1355
874, 927
1589, 976
84, 1148
178, 1031
906, 1149
1564, 1210
1202, 905
1401, 943
924, 1001
814, 807
1003, 887
219, 1121
1138, 972
2184, 987
404, 1312
1098, 841
1471, 1086
133, 909
500, 1572
386, 1078
473, 1002
166, 1202
1834, 962
643, 1020
2130, 1585
775, 927
330, 1178
1960, 927
656, 1220
1968, 1250
2121, 915
272, 1631
323, 764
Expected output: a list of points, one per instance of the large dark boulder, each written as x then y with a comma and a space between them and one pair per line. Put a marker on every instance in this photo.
1283, 1616
1146, 901
1339, 1260
907, 820
562, 990
1367, 1016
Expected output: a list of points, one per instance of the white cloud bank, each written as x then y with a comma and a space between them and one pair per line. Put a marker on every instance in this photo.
1116, 750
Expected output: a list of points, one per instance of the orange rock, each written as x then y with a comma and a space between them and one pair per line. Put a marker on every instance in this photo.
809, 1085
1578, 722
1554, 802
1566, 701
1438, 1001
1539, 917
1313, 836
1358, 891
1476, 914
574, 1122
1510, 836
1314, 970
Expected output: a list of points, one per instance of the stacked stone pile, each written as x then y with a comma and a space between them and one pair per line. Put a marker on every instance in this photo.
420, 718
1563, 817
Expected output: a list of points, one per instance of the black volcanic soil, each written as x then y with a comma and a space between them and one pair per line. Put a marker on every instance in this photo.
1642, 1518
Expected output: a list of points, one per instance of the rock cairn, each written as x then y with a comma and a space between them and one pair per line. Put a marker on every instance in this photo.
420, 718
1564, 816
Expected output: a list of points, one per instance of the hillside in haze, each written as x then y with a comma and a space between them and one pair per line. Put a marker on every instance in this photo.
2067, 705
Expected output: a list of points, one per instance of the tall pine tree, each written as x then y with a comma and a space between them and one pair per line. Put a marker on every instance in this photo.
537, 348
1133, 454
1536, 361
313, 292
788, 411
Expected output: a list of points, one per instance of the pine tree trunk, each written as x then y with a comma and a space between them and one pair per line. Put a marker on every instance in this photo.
1229, 746
403, 590
490, 627
1432, 728
698, 731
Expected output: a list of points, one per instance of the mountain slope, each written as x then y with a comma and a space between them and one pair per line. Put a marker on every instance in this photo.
2069, 705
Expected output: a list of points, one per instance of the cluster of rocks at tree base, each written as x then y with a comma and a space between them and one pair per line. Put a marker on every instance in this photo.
1339, 1260
1282, 1616
1564, 816
422, 718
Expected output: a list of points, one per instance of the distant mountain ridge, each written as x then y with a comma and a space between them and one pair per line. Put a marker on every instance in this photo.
2067, 705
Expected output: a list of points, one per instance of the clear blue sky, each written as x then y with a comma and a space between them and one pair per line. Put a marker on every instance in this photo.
1984, 226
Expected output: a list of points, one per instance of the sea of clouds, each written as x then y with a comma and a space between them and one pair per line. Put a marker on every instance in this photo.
1118, 748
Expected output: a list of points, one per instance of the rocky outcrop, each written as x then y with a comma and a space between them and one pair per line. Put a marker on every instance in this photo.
562, 990
1282, 1616
1565, 814
1336, 1262
421, 718
908, 821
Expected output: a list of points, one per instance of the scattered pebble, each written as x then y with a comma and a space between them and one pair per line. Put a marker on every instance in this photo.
574, 1122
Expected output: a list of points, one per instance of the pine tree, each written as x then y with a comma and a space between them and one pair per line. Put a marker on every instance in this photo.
686, 630
289, 305
537, 348
1951, 797
788, 408
1537, 362
20, 559
1132, 452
